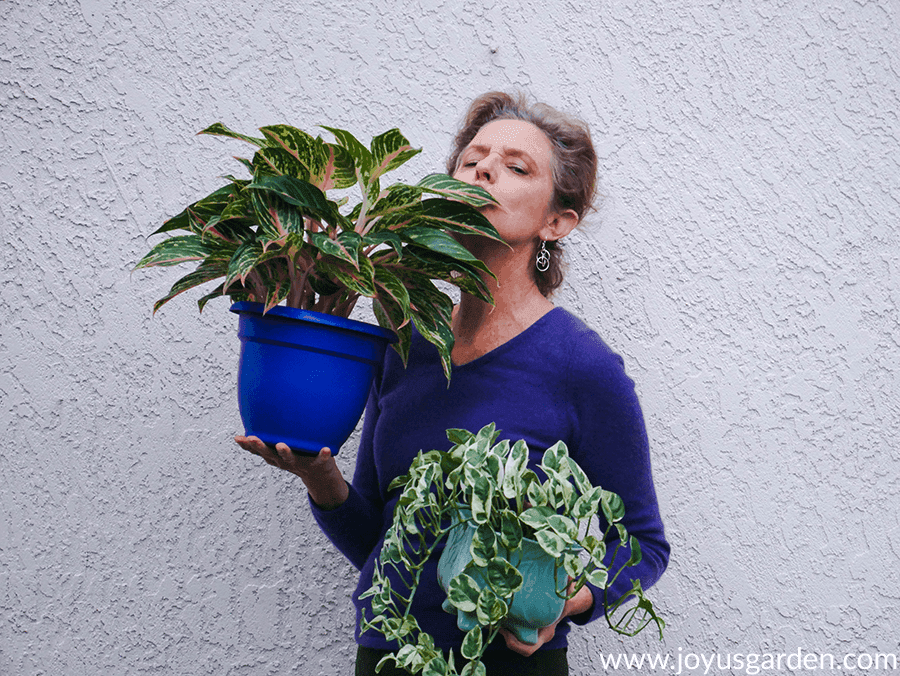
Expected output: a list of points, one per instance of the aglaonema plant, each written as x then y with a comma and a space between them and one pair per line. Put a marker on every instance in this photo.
278, 237
489, 486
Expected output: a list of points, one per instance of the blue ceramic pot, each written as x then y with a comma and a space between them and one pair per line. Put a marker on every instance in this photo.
536, 605
304, 377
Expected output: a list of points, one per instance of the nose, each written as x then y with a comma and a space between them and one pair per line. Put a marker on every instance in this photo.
484, 169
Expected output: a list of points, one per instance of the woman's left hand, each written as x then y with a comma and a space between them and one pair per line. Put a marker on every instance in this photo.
580, 603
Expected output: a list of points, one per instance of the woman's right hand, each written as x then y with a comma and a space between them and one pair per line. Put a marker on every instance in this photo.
320, 473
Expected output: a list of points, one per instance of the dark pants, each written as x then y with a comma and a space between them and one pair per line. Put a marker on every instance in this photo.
501, 662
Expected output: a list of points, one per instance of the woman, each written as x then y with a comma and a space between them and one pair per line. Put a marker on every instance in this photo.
533, 369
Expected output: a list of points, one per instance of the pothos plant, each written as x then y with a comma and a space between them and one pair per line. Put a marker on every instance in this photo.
278, 237
490, 485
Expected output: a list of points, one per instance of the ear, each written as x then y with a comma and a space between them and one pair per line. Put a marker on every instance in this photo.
559, 225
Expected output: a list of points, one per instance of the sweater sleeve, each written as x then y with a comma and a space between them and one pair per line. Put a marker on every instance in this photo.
612, 447
355, 526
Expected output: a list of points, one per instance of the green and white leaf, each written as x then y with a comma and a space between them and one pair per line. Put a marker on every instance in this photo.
550, 542
510, 530
484, 545
612, 506
536, 516
472, 645
598, 577
463, 593
503, 577
490, 608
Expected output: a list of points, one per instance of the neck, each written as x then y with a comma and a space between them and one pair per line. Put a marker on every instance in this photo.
518, 302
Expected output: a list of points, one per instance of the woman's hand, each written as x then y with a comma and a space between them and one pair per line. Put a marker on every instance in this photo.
320, 473
580, 603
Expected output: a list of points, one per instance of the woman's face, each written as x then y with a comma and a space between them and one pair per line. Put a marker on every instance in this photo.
512, 160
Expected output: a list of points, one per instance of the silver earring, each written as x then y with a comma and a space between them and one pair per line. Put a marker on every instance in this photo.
542, 262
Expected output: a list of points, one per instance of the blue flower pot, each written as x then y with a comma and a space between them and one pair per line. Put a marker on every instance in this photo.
536, 605
304, 377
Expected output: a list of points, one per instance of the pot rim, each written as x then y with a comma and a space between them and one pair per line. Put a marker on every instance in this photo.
571, 549
320, 318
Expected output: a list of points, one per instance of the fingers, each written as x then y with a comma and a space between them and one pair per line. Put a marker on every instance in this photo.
527, 649
516, 645
258, 447
283, 457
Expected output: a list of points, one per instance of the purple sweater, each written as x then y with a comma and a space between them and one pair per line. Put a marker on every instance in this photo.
557, 380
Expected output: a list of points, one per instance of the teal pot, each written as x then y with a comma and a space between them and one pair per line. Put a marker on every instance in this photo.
536, 605
304, 377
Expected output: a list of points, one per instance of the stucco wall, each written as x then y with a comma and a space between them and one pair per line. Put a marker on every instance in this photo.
743, 259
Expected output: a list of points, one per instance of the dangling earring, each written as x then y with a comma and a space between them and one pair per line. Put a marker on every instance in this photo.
542, 262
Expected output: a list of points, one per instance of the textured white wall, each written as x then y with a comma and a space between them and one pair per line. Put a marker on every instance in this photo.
744, 260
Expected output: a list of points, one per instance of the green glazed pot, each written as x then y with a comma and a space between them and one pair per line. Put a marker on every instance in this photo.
536, 605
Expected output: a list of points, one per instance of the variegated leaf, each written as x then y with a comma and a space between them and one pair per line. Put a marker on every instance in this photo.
356, 280
510, 530
343, 247
447, 186
442, 243
536, 517
599, 577
205, 208
278, 162
428, 298
219, 129
305, 196
208, 271
178, 249
396, 198
340, 170
472, 643
388, 284
389, 151
362, 156
247, 163
234, 224
278, 291
276, 217
235, 294
242, 262
375, 239
456, 217
431, 311
394, 318
277, 281
436, 266
612, 506
305, 149
491, 609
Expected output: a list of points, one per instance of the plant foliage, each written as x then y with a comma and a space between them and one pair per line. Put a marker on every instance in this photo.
490, 484
278, 237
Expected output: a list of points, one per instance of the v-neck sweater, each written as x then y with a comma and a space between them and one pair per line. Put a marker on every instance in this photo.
556, 380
